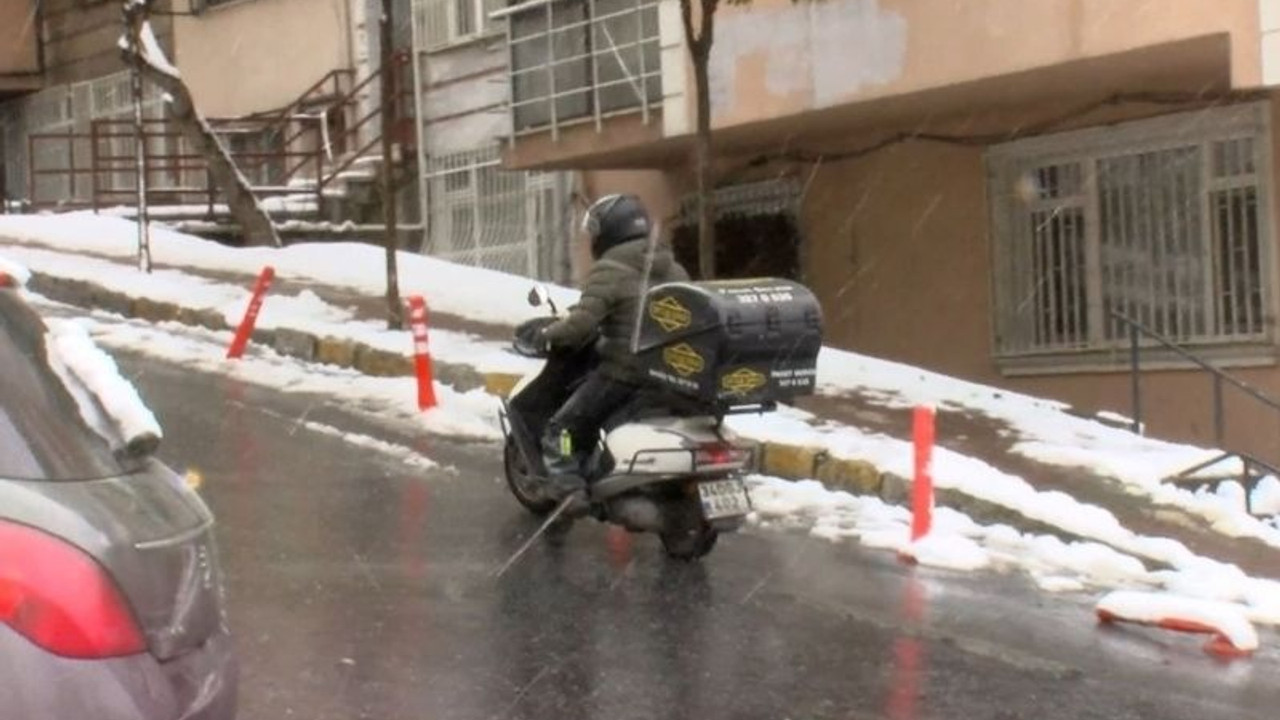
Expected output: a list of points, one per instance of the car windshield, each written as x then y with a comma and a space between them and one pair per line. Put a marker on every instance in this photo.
42, 433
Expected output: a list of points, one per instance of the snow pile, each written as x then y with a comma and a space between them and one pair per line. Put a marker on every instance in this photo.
1178, 613
469, 415
15, 271
957, 542
474, 293
149, 50
978, 479
93, 379
305, 312
153, 54
1046, 430
1266, 496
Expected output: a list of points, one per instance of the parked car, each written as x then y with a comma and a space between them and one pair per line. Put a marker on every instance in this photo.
111, 596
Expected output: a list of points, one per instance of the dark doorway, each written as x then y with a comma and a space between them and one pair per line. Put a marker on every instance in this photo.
747, 246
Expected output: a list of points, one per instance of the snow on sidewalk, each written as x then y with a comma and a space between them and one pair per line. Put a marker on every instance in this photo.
474, 293
305, 311
958, 543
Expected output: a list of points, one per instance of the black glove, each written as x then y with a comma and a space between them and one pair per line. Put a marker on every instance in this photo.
531, 338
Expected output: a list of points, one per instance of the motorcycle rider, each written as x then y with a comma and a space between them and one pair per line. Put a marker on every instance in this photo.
619, 229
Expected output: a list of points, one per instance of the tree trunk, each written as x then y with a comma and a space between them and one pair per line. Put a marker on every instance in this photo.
703, 158
699, 43
249, 215
390, 104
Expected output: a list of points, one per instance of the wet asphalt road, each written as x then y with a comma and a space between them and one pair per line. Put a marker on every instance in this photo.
362, 588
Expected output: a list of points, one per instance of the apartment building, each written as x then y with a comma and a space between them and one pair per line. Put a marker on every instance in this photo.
478, 212
992, 189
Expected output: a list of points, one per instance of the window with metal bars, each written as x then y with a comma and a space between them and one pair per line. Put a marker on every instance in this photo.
440, 23
483, 215
573, 60
1158, 220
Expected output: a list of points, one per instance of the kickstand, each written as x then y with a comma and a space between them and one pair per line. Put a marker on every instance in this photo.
555, 515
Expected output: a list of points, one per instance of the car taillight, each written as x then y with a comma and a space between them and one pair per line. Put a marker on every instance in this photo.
59, 598
719, 455
7, 280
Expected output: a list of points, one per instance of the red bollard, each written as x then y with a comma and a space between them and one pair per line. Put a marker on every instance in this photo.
421, 352
922, 485
251, 314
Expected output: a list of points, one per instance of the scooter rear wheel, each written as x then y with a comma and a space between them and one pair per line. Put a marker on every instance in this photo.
524, 483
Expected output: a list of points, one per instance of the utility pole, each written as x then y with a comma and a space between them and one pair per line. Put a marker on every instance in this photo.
136, 14
390, 105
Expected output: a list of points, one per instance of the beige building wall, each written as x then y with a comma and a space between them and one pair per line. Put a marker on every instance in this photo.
19, 39
260, 55
775, 58
80, 41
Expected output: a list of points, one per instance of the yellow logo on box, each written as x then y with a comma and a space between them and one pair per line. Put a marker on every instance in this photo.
670, 314
684, 360
743, 381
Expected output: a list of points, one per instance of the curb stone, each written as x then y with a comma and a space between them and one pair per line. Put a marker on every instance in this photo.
783, 460
295, 343
88, 295
334, 351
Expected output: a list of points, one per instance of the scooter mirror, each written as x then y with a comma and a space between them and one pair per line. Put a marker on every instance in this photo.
540, 296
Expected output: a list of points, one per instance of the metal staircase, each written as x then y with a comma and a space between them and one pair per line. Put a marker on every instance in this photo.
314, 164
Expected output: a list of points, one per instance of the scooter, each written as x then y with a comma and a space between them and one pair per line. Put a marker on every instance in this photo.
663, 464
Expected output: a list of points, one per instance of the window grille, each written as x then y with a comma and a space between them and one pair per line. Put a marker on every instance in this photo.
1159, 220
485, 216
578, 59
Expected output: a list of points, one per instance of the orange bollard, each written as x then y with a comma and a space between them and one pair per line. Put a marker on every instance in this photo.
421, 352
922, 485
243, 332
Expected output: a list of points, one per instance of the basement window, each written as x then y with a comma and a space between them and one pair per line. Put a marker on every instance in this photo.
1161, 220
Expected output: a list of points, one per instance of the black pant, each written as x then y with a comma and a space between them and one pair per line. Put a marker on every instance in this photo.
584, 412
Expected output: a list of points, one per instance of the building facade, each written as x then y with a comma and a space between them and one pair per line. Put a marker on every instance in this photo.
478, 212
991, 189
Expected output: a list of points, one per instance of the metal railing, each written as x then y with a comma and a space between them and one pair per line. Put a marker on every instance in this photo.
1254, 469
98, 168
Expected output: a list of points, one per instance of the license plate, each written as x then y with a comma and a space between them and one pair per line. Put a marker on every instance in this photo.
724, 498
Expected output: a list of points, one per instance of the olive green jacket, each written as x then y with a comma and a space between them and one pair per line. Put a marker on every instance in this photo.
611, 302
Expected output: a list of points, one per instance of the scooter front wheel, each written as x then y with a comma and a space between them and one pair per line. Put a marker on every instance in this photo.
524, 482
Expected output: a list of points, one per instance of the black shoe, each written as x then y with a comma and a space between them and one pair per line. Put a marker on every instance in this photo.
564, 470
563, 476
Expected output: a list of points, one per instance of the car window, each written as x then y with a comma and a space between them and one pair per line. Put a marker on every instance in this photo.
42, 433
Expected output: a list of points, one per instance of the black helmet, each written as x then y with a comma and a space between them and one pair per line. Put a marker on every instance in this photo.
613, 220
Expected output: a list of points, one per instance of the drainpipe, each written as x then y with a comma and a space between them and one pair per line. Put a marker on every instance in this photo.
420, 131
350, 32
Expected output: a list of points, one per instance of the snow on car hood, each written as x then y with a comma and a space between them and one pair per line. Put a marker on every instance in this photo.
108, 402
